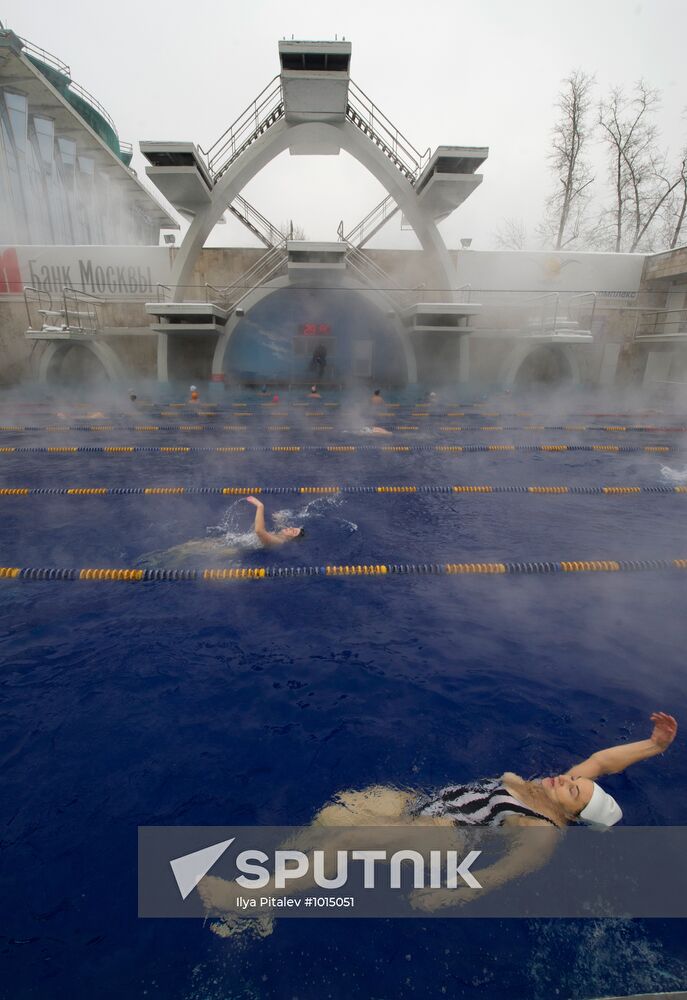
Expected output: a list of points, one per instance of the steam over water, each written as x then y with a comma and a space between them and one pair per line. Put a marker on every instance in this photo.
258, 701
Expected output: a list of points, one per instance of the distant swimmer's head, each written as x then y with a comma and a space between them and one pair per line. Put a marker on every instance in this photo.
292, 533
377, 392
582, 798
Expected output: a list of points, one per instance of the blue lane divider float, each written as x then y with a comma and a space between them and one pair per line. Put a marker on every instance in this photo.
490, 569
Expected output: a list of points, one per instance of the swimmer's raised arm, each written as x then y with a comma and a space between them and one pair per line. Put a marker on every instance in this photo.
616, 759
265, 536
271, 537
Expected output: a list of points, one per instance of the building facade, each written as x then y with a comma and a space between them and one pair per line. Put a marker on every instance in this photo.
65, 177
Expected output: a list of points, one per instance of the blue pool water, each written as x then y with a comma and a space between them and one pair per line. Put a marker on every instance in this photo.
254, 702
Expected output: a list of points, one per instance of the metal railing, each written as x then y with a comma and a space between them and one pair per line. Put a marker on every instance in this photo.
47, 57
84, 94
217, 297
550, 320
542, 322
365, 114
265, 268
374, 275
256, 222
264, 111
41, 301
80, 311
371, 224
660, 322
575, 311
50, 60
268, 108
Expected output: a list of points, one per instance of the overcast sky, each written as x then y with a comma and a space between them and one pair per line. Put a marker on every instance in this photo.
444, 71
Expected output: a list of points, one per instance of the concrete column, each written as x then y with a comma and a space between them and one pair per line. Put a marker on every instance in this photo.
657, 367
464, 359
162, 368
609, 364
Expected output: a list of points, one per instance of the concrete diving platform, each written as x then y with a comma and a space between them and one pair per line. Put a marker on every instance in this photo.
449, 178
60, 333
187, 317
560, 331
306, 259
441, 317
179, 172
314, 81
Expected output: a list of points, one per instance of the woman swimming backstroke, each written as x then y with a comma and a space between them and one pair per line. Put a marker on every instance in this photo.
552, 802
571, 796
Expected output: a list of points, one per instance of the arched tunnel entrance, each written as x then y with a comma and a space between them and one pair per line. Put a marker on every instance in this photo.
545, 365
323, 335
72, 364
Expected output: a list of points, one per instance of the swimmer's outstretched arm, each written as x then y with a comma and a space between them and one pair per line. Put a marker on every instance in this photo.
524, 854
616, 759
265, 536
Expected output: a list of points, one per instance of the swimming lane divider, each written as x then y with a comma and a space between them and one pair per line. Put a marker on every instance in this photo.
334, 448
214, 428
112, 575
118, 491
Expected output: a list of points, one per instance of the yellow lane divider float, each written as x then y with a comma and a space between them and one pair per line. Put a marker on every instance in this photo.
491, 569
661, 449
434, 489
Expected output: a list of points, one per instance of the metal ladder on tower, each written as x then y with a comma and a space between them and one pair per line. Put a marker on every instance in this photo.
371, 224
254, 121
366, 116
375, 277
256, 222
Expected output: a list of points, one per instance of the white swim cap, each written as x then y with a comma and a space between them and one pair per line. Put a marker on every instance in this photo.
602, 810
193, 388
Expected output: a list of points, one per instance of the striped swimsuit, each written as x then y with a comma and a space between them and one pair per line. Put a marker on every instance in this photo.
478, 803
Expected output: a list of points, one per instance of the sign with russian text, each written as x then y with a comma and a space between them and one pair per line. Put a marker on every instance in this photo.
108, 272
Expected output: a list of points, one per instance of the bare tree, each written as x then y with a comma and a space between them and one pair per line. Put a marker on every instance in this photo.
292, 231
675, 209
638, 169
511, 235
566, 208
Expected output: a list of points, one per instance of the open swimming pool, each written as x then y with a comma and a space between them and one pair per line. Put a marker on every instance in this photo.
255, 701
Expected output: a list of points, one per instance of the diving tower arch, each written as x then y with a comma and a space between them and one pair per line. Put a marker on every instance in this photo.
56, 351
314, 108
314, 135
265, 289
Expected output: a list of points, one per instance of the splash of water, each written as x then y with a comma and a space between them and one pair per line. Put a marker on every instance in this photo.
676, 476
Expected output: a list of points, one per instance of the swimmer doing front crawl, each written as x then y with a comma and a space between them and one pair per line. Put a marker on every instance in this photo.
510, 801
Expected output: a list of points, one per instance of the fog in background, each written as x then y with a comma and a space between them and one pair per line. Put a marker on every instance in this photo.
451, 73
